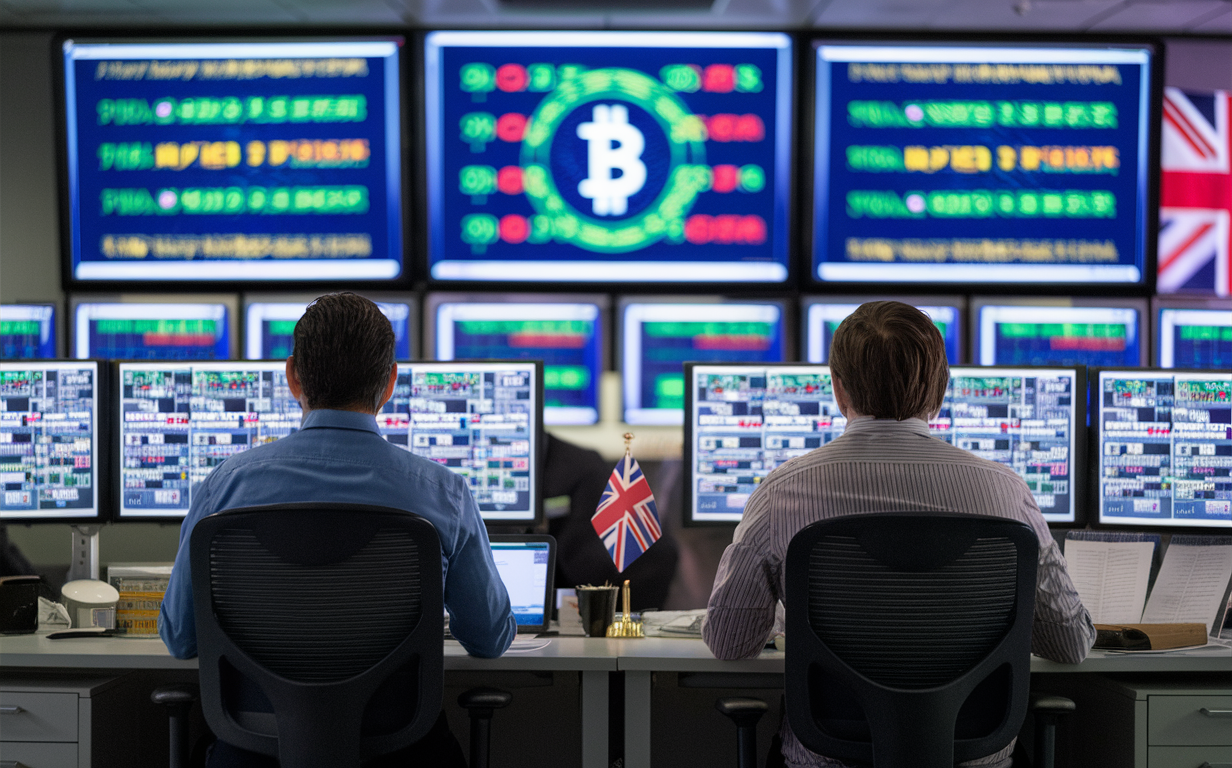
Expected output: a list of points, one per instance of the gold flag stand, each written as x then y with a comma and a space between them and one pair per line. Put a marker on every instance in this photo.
625, 626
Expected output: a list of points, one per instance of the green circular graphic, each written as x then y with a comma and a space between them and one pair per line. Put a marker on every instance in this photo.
687, 177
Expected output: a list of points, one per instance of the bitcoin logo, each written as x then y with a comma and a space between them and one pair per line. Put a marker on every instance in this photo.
620, 161
612, 144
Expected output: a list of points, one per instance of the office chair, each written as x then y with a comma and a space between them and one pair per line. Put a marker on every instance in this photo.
909, 637
319, 629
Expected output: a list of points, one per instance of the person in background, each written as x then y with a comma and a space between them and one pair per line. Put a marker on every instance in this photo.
890, 375
342, 371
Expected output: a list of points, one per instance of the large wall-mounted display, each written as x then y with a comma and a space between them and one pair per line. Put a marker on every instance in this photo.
608, 156
982, 163
236, 161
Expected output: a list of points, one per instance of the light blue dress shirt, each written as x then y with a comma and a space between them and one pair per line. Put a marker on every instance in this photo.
340, 456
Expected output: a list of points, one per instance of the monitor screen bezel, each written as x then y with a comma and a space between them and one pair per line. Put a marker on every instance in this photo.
406, 206
410, 298
1136, 303
1095, 489
538, 449
787, 328
57, 324
807, 161
77, 338
117, 432
791, 178
434, 301
549, 598
956, 302
1166, 302
102, 453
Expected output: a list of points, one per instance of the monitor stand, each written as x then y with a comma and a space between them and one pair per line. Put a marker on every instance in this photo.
84, 563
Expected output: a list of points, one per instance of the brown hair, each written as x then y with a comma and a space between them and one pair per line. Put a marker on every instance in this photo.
344, 351
891, 361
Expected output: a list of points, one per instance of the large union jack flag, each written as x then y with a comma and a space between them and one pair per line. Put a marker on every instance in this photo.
1195, 194
627, 519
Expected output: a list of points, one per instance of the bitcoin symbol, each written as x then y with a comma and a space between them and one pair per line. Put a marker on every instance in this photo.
611, 144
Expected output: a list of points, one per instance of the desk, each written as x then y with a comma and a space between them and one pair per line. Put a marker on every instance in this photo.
640, 659
593, 658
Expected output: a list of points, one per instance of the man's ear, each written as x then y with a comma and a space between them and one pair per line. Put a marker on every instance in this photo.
389, 388
840, 395
293, 384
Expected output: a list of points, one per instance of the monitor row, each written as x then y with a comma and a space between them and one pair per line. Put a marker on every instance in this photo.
84, 441
602, 157
653, 337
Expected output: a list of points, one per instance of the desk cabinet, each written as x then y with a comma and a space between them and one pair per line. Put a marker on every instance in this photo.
1130, 721
54, 720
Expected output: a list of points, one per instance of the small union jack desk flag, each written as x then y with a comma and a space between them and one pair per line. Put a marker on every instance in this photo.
1195, 193
627, 519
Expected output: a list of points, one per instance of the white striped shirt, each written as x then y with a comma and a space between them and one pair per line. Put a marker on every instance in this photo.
878, 465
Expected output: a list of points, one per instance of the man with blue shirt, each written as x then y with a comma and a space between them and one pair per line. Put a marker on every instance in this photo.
342, 372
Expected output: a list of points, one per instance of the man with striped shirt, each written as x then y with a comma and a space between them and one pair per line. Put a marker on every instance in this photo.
890, 374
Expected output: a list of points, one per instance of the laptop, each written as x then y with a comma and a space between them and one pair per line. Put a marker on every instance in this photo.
526, 564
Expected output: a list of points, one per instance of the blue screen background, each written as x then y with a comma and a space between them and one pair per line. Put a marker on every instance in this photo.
569, 156
833, 224
92, 226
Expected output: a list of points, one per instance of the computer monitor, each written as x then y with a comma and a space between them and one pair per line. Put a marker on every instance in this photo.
822, 317
177, 421
482, 420
1193, 333
233, 160
1032, 420
984, 162
527, 565
141, 331
52, 441
27, 331
1039, 334
657, 338
269, 327
1162, 448
746, 420
566, 336
604, 157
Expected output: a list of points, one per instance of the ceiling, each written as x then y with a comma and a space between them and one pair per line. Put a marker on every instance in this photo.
1098, 16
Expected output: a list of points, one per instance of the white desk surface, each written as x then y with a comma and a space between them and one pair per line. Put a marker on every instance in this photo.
559, 654
665, 654
651, 654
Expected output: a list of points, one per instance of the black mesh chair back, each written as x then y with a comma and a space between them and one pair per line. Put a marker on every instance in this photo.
909, 637
319, 629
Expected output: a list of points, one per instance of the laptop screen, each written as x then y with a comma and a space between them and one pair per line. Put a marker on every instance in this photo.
524, 567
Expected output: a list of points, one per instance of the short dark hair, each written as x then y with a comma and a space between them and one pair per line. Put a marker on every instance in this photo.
891, 361
343, 353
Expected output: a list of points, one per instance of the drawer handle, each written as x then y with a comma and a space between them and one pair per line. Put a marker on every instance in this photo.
1216, 712
9, 709
1209, 764
12, 764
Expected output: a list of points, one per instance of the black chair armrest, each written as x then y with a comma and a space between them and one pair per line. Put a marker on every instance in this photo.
1045, 703
484, 698
173, 695
741, 711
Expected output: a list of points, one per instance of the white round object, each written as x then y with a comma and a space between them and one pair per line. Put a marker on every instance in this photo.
90, 603
90, 592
